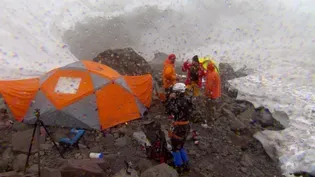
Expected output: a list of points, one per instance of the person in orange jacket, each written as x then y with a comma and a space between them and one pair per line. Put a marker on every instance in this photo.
213, 83
212, 88
169, 74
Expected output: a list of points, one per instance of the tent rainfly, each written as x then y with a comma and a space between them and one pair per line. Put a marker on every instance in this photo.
83, 94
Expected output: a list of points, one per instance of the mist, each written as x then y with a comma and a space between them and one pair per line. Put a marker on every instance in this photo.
227, 30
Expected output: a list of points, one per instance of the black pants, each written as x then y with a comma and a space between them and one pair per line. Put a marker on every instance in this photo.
180, 131
211, 105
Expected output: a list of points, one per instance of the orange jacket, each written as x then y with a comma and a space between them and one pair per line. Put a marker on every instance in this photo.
213, 83
169, 74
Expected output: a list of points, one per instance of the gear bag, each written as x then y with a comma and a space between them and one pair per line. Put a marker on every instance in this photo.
158, 149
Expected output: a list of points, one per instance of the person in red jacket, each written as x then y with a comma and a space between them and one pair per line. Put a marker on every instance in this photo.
195, 72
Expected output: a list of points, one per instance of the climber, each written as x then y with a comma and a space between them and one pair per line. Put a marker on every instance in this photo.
195, 72
181, 111
213, 83
206, 60
169, 74
212, 88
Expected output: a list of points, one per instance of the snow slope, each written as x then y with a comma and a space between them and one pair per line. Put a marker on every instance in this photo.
276, 38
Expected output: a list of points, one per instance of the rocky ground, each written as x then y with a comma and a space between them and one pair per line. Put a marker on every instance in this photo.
227, 146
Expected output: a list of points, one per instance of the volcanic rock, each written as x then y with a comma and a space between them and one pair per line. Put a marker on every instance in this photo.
125, 61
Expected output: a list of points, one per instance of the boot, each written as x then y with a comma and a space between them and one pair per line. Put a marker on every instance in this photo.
179, 170
185, 160
186, 167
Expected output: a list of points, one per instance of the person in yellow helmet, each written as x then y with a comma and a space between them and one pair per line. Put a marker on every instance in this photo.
206, 60
195, 73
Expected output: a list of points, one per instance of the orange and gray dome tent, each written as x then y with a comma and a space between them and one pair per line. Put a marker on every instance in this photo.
83, 94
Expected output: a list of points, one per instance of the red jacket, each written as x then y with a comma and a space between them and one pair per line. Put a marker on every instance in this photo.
186, 68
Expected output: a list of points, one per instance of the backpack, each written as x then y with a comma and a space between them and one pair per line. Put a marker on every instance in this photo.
194, 73
158, 149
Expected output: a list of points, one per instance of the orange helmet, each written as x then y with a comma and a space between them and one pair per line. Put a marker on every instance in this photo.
210, 66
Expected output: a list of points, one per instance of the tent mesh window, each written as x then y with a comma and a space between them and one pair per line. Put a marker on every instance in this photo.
67, 85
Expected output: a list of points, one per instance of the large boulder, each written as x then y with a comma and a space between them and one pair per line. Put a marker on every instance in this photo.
122, 142
242, 72
125, 61
269, 147
282, 118
303, 173
19, 162
21, 141
83, 168
10, 174
158, 60
47, 172
144, 164
8, 155
108, 140
236, 125
123, 173
162, 170
4, 165
2, 105
157, 66
266, 119
18, 126
141, 138
7, 159
247, 115
226, 71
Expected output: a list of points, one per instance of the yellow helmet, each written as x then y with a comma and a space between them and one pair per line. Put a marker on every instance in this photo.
205, 60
